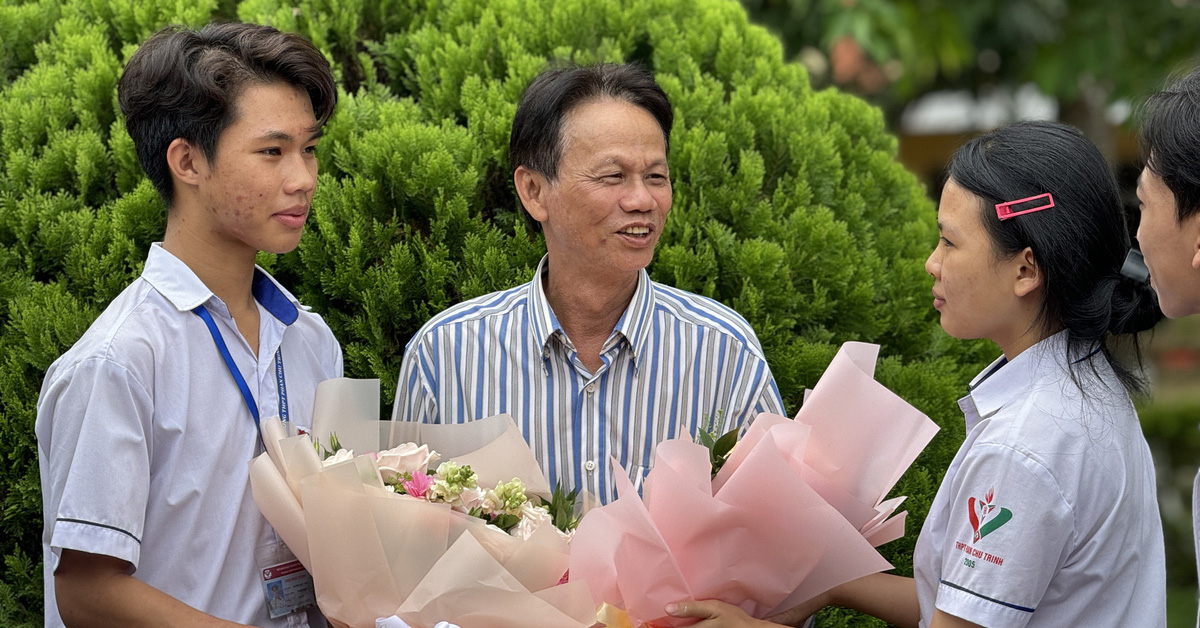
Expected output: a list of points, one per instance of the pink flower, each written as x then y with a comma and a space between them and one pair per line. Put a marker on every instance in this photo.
418, 485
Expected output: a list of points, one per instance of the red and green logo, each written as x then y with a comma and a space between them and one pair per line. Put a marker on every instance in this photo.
985, 516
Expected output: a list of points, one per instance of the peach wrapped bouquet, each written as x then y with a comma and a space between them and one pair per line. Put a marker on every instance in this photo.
389, 534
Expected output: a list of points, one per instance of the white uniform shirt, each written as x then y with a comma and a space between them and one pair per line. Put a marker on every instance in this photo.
144, 440
1048, 514
1196, 527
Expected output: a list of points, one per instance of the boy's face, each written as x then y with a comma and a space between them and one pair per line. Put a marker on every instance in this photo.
1171, 249
257, 192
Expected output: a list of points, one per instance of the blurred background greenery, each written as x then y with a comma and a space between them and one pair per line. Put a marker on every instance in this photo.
944, 70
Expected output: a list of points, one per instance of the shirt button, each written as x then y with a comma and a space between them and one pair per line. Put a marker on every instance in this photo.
590, 465
591, 388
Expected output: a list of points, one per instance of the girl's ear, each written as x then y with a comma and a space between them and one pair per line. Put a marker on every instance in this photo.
1029, 274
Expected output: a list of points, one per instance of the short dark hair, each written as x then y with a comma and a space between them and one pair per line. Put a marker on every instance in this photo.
537, 141
1169, 135
185, 84
1079, 244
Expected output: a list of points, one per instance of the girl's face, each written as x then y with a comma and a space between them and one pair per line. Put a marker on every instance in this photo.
978, 295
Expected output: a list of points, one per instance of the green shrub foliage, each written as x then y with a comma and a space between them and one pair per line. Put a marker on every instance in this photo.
789, 203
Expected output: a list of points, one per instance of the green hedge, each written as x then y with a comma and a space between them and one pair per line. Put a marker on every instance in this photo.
789, 203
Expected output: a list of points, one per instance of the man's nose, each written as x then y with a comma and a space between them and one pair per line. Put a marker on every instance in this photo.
638, 197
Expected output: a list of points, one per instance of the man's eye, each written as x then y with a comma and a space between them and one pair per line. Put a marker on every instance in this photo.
272, 151
945, 241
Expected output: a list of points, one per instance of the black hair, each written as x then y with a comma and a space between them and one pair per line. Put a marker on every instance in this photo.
1079, 244
185, 84
1169, 135
536, 141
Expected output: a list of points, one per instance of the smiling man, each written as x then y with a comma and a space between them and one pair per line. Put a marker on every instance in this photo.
591, 358
147, 424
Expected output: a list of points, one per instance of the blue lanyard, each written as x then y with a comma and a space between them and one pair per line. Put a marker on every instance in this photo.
237, 376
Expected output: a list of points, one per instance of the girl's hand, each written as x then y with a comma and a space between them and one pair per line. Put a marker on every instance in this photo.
714, 614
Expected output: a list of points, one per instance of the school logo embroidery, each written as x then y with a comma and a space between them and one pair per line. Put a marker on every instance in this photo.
985, 517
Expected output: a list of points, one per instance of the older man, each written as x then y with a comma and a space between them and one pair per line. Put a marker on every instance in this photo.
591, 358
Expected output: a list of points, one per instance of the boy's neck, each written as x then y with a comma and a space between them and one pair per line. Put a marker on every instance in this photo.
225, 269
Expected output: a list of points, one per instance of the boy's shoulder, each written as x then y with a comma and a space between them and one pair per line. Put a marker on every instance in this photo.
127, 333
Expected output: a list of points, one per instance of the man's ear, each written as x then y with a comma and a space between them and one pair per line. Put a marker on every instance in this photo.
532, 187
187, 163
1029, 275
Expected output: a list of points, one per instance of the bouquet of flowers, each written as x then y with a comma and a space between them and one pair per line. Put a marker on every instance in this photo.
797, 508
387, 533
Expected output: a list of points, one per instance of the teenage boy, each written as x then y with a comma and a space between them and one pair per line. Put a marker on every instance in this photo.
1169, 193
145, 426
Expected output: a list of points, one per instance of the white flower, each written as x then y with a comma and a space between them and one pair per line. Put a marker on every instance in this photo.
342, 455
532, 518
468, 499
406, 458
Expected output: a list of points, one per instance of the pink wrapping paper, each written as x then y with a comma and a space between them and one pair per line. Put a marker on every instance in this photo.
375, 554
796, 510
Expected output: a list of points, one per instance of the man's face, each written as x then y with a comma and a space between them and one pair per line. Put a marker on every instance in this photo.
257, 192
1171, 249
605, 213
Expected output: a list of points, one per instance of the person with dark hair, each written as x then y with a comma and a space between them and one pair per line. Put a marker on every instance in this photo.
146, 426
1047, 515
1169, 194
591, 358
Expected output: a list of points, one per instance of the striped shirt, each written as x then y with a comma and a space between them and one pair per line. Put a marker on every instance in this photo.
675, 363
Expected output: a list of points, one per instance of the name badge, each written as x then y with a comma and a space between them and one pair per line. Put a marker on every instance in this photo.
287, 585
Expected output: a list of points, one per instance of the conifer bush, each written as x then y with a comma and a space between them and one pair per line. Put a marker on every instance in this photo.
789, 203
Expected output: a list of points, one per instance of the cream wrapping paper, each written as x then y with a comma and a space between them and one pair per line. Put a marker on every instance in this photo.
375, 554
797, 509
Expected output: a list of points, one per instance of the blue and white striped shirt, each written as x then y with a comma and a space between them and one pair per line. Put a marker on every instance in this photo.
675, 363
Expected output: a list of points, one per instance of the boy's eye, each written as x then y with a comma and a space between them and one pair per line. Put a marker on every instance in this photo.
272, 151
945, 241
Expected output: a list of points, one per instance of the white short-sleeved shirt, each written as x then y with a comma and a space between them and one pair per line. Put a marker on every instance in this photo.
144, 440
1048, 514
1196, 527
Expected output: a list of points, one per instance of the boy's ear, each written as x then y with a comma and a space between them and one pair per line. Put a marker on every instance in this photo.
186, 161
532, 187
1193, 224
1029, 274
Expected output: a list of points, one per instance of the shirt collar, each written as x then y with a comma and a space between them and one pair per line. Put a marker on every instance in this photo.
183, 289
1004, 380
634, 325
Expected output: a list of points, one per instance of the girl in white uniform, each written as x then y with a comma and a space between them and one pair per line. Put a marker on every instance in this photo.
1047, 516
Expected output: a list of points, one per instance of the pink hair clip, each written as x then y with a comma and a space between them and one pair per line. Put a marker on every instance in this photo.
1004, 211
